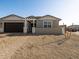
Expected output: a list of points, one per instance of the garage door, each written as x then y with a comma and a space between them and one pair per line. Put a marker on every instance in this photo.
13, 27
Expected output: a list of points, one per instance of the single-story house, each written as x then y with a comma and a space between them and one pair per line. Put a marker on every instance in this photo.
32, 24
73, 28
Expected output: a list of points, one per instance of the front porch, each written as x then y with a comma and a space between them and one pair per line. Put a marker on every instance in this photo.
29, 26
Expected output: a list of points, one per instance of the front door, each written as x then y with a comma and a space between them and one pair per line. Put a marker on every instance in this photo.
30, 25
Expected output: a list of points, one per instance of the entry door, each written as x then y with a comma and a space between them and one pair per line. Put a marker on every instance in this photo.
30, 25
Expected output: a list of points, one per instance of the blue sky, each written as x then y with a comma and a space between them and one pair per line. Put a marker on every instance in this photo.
67, 10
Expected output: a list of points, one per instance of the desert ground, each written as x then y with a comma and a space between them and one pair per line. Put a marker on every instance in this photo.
21, 46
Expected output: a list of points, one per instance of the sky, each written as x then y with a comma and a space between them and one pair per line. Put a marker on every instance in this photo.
67, 10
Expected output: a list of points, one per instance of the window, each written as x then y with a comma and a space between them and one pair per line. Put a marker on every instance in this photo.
47, 24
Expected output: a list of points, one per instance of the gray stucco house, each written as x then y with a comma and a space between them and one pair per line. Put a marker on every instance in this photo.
73, 28
32, 24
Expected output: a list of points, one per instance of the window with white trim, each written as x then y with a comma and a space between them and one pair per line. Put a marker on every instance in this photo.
47, 24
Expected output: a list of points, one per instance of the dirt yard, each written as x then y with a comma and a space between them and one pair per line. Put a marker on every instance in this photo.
19, 46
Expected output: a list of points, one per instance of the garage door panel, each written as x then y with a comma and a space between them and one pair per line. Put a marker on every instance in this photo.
13, 27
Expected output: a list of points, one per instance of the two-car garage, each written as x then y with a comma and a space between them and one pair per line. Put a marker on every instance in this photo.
13, 27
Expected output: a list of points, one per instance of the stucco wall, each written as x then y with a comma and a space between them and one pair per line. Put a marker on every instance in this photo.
1, 27
55, 29
12, 18
48, 31
39, 23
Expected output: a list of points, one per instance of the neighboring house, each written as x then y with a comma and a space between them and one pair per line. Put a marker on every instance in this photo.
33, 24
73, 28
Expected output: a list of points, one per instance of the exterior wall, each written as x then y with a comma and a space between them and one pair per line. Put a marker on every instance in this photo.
12, 18
14, 21
39, 23
55, 29
1, 27
48, 31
